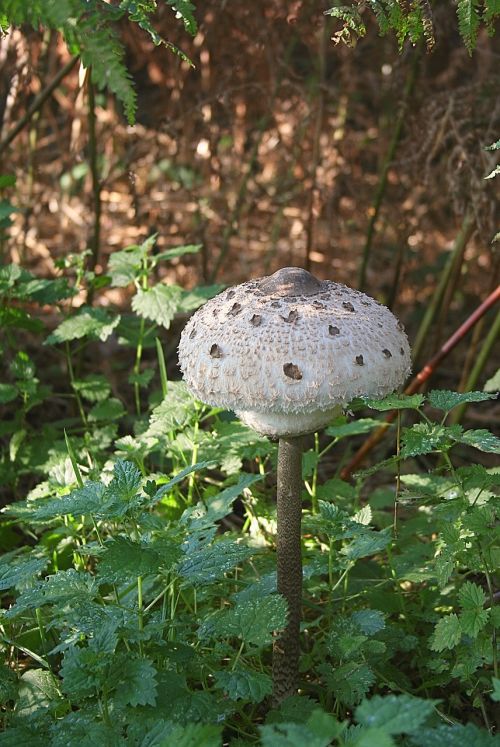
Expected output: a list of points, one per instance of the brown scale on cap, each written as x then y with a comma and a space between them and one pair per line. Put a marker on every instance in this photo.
387, 353
231, 294
256, 320
192, 333
292, 371
235, 309
333, 330
292, 317
347, 305
359, 360
215, 351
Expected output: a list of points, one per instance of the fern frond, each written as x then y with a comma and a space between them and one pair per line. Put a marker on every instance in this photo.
490, 13
427, 23
468, 22
184, 9
102, 52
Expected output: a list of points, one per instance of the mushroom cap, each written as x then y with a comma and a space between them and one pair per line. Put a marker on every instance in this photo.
288, 351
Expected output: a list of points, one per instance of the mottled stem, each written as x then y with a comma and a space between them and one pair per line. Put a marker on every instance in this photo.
286, 648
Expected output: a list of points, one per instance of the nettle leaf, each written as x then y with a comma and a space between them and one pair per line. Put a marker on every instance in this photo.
319, 730
165, 488
83, 501
207, 514
125, 266
253, 621
212, 562
481, 439
354, 428
193, 299
8, 392
133, 680
423, 438
158, 303
18, 570
126, 481
46, 291
473, 621
396, 714
62, 587
123, 560
471, 596
495, 694
108, 409
369, 621
93, 388
454, 736
350, 682
93, 323
477, 476
174, 412
37, 690
178, 251
447, 633
396, 402
445, 400
369, 543
242, 684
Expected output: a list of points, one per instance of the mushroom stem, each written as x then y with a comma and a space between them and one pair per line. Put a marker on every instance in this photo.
286, 648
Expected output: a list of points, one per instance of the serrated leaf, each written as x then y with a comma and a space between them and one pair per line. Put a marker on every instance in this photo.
244, 685
481, 439
369, 621
37, 690
86, 500
363, 516
193, 299
126, 481
369, 543
447, 633
178, 251
124, 560
396, 402
445, 400
354, 428
133, 680
424, 438
472, 621
495, 695
493, 384
62, 587
211, 563
125, 266
396, 714
253, 621
107, 409
8, 392
350, 682
319, 731
93, 388
454, 736
471, 596
93, 323
158, 303
175, 411
166, 488
17, 570
206, 514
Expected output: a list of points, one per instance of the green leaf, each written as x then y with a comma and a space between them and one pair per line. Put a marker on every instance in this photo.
424, 438
18, 570
193, 299
211, 563
8, 392
206, 514
108, 409
244, 685
124, 267
354, 428
445, 400
93, 388
191, 735
396, 402
495, 172
167, 487
63, 586
493, 384
178, 251
473, 621
93, 323
124, 560
350, 682
468, 22
481, 439
133, 681
158, 303
369, 543
319, 731
493, 146
370, 621
174, 412
471, 596
395, 714
126, 481
454, 736
495, 695
185, 9
86, 500
9, 180
447, 633
253, 621
37, 690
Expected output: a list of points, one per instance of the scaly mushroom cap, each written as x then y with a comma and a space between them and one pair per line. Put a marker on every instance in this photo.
288, 351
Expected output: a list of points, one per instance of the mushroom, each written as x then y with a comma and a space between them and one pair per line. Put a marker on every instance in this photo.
296, 352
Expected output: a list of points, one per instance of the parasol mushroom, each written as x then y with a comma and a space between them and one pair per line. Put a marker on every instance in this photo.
287, 352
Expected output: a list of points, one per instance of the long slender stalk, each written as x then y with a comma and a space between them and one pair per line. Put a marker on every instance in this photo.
37, 103
389, 157
286, 647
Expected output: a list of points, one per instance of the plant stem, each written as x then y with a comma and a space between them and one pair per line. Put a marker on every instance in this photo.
95, 239
286, 647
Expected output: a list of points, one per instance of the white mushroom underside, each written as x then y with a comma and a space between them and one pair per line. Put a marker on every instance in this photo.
302, 356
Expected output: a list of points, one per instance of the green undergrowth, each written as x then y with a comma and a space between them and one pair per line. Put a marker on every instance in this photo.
138, 583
